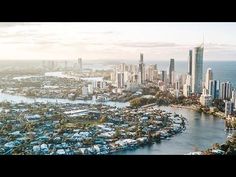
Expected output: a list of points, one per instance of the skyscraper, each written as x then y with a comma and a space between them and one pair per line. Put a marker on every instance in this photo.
164, 76
209, 76
141, 70
120, 79
214, 87
171, 70
225, 90
205, 99
233, 98
197, 69
190, 62
186, 90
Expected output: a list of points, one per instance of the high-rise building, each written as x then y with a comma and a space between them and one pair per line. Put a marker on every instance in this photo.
225, 90
205, 99
120, 79
186, 90
150, 72
141, 70
155, 67
209, 76
174, 78
190, 62
177, 85
122, 67
233, 98
155, 75
188, 80
214, 88
197, 69
127, 77
229, 107
80, 64
164, 76
171, 70
90, 88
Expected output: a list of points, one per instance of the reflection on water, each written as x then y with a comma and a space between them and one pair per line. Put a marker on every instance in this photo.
201, 132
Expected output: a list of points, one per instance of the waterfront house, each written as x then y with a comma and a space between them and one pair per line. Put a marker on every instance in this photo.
35, 117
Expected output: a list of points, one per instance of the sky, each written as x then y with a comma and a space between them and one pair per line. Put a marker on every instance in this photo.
114, 41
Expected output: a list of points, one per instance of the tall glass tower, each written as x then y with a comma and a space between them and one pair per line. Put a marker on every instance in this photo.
190, 62
171, 71
197, 69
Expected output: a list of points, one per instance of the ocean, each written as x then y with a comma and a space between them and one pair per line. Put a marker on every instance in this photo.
222, 70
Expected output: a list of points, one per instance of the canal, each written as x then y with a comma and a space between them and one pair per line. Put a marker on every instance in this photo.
201, 132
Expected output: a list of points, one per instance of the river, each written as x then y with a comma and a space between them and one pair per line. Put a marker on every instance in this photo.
19, 99
201, 132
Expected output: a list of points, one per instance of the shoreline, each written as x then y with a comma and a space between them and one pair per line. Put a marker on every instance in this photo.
218, 114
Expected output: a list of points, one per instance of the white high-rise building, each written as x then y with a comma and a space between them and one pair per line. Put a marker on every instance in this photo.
174, 77
205, 99
127, 76
209, 76
197, 69
233, 98
225, 90
150, 72
90, 88
188, 80
122, 67
186, 90
187, 86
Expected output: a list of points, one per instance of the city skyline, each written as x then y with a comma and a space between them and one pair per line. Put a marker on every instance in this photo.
107, 41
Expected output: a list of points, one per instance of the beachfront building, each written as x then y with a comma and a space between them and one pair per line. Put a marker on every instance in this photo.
171, 71
225, 90
214, 88
233, 98
197, 69
205, 99
209, 76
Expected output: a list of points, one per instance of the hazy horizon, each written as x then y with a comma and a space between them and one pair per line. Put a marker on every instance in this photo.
115, 41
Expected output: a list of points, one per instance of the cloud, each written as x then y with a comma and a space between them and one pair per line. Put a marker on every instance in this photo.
217, 46
146, 44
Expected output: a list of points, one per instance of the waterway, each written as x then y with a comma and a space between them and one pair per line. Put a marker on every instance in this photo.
202, 130
20, 99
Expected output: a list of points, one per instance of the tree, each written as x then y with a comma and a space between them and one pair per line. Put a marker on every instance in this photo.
117, 133
103, 119
135, 102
